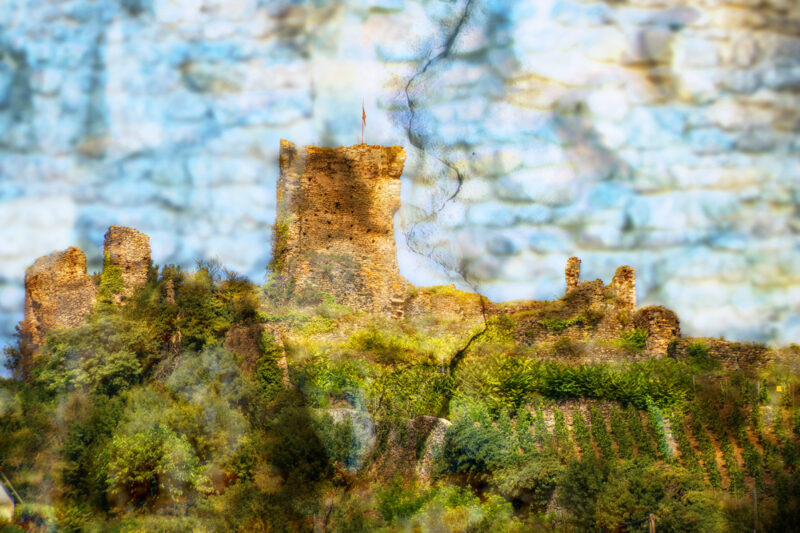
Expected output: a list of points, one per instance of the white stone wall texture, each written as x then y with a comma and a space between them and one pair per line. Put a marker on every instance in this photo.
656, 133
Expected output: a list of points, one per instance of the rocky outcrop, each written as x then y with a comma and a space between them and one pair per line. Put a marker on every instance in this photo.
334, 229
128, 250
662, 326
58, 293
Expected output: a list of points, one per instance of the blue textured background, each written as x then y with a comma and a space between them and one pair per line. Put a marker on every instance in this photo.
656, 133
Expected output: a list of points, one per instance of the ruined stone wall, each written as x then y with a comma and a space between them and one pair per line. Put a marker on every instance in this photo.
335, 223
662, 326
58, 292
623, 286
732, 355
654, 132
129, 250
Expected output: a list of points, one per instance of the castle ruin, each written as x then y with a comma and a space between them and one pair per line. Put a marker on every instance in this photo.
59, 292
128, 250
334, 230
334, 233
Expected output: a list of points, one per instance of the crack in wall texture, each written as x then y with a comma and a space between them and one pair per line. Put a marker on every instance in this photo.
660, 134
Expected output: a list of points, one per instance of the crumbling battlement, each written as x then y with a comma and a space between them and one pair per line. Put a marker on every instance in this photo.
58, 292
129, 250
335, 223
623, 287
573, 273
662, 326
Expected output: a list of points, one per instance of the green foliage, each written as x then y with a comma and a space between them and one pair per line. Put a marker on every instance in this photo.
280, 241
698, 349
508, 380
655, 420
474, 444
645, 446
499, 329
582, 436
604, 496
532, 482
600, 434
397, 502
152, 464
201, 316
111, 283
268, 374
339, 441
622, 437
107, 355
587, 318
633, 340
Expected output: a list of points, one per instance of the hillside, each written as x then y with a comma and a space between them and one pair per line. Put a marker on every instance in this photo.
202, 402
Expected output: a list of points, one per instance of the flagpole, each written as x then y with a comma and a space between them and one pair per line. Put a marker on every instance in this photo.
363, 120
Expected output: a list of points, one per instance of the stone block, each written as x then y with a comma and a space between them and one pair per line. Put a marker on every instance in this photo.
128, 250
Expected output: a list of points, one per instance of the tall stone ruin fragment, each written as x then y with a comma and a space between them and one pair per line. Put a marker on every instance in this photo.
334, 230
129, 250
58, 293
572, 273
623, 286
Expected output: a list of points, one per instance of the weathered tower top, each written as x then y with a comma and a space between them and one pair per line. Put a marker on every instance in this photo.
58, 292
335, 222
129, 250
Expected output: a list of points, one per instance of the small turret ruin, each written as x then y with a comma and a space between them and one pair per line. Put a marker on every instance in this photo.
334, 230
623, 288
128, 250
573, 273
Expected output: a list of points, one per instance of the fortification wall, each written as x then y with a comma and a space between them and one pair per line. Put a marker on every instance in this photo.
732, 355
334, 229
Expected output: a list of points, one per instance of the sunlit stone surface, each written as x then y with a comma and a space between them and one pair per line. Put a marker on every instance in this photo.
659, 134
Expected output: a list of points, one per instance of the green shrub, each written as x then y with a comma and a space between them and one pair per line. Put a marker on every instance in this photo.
146, 465
619, 429
633, 340
397, 502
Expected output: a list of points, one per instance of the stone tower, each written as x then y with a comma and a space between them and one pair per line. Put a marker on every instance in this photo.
129, 250
334, 230
623, 285
572, 273
58, 293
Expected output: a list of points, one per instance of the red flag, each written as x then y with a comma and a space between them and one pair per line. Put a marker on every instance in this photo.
363, 120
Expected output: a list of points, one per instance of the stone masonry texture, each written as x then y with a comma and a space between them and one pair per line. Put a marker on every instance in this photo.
58, 293
624, 286
660, 134
335, 223
129, 250
573, 273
